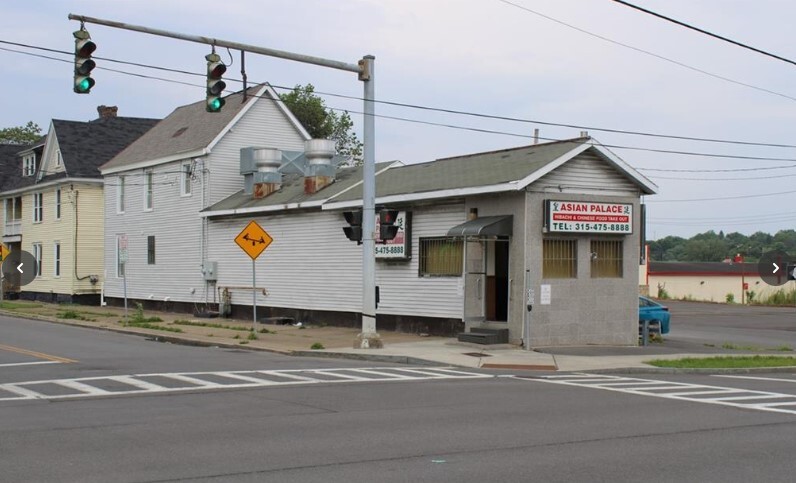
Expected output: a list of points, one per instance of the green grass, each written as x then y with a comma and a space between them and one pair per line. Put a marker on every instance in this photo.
19, 305
72, 315
317, 346
252, 336
725, 362
210, 325
780, 297
752, 348
147, 325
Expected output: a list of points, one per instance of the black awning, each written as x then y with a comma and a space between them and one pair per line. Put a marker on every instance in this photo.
484, 226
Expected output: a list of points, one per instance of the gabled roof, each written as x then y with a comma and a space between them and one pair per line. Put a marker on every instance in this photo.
191, 131
290, 195
489, 172
84, 147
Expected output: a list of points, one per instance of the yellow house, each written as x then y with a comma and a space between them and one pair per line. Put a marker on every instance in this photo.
53, 206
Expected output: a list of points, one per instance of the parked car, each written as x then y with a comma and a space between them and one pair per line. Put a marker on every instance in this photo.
654, 312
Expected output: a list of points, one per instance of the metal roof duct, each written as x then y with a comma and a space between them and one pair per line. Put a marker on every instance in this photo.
320, 170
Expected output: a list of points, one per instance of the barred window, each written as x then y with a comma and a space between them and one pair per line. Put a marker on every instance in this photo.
606, 258
441, 257
559, 258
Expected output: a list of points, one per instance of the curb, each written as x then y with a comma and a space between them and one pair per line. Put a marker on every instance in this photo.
409, 360
677, 370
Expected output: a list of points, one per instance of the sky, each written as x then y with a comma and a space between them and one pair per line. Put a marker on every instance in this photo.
531, 60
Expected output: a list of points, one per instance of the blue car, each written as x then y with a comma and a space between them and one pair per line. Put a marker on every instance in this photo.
654, 312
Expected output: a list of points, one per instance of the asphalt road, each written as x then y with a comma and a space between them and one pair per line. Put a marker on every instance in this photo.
492, 428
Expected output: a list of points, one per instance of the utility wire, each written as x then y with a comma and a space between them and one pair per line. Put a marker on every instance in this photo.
702, 31
723, 198
647, 52
715, 170
413, 106
725, 179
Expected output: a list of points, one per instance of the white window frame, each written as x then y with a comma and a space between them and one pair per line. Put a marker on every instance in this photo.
37, 255
57, 259
120, 193
120, 267
38, 207
149, 191
58, 194
185, 179
29, 165
58, 158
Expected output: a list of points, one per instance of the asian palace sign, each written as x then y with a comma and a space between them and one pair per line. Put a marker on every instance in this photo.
587, 217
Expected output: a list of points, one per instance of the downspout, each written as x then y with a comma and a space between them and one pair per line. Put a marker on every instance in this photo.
74, 252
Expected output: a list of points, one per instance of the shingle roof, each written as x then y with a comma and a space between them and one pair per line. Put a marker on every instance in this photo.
187, 128
85, 146
292, 191
480, 169
10, 164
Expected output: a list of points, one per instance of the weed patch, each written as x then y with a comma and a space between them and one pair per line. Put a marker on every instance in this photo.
317, 346
209, 324
726, 362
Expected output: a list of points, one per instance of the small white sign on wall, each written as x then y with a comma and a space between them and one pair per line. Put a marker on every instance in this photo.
544, 295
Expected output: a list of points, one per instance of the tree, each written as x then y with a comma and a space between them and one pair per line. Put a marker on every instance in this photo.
27, 134
322, 122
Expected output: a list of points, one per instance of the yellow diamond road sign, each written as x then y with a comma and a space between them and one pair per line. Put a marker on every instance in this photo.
253, 240
3, 252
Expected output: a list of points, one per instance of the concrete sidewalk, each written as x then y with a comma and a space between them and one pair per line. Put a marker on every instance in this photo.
337, 342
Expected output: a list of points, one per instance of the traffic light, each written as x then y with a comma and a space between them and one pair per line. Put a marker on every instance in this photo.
354, 231
215, 86
84, 47
387, 227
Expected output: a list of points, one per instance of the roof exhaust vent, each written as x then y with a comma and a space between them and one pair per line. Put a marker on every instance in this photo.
320, 169
260, 170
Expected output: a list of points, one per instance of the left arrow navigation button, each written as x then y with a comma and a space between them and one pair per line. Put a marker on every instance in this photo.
19, 268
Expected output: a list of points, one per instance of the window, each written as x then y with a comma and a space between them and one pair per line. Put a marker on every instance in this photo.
29, 165
606, 258
150, 250
57, 259
58, 204
37, 257
17, 208
559, 258
120, 196
120, 248
149, 186
38, 207
441, 257
58, 158
185, 182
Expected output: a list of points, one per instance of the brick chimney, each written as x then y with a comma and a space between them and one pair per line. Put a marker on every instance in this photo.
106, 112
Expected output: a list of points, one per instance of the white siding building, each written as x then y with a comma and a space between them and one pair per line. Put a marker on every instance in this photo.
155, 189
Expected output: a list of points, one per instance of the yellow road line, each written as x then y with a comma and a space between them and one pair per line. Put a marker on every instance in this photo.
38, 355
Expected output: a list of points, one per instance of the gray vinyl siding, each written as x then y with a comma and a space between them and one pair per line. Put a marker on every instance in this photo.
312, 265
587, 173
176, 226
175, 220
263, 125
402, 291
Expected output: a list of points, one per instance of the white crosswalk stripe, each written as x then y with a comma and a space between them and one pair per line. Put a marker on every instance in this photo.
195, 381
726, 396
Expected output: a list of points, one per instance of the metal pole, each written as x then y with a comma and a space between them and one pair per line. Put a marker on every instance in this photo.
307, 59
124, 277
254, 297
368, 208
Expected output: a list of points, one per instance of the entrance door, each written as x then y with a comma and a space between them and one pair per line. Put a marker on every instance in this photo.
497, 287
474, 282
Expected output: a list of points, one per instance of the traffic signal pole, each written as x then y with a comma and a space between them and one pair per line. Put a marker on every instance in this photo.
369, 338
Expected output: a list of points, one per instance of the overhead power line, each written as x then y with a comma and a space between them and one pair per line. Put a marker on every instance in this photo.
417, 106
725, 179
762, 168
703, 31
724, 198
652, 54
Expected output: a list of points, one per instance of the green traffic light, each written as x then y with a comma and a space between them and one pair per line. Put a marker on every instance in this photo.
215, 104
83, 85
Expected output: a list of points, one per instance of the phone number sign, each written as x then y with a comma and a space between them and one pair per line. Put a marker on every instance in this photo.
586, 217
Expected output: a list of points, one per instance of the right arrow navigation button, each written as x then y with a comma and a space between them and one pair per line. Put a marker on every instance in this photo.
772, 268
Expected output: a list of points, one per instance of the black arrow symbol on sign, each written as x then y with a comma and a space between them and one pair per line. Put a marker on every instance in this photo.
254, 242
